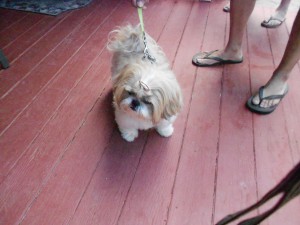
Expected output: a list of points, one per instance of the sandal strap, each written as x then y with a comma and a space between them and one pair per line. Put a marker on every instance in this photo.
218, 59
209, 54
276, 19
204, 55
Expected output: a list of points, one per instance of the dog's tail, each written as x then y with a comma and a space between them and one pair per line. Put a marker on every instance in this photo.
127, 39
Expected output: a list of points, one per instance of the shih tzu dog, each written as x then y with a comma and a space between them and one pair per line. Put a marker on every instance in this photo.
146, 93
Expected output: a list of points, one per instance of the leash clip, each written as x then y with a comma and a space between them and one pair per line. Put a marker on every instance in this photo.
146, 49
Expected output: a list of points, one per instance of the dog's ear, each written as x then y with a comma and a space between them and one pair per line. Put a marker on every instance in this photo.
173, 105
167, 102
119, 87
157, 113
173, 101
119, 82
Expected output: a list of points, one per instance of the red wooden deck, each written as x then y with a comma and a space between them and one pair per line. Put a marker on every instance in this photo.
62, 160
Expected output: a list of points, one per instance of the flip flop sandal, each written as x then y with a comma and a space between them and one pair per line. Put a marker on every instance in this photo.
207, 55
264, 110
266, 23
226, 8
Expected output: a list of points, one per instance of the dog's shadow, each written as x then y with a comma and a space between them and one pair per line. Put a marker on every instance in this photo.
121, 160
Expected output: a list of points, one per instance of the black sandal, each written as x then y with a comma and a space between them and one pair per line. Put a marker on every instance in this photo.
208, 55
264, 110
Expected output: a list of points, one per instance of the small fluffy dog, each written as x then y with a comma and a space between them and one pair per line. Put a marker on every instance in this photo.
145, 94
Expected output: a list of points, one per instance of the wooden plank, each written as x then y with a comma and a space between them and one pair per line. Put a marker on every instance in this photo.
10, 17
13, 32
46, 151
271, 139
82, 155
110, 183
150, 193
11, 78
192, 200
42, 74
43, 107
236, 181
18, 47
44, 154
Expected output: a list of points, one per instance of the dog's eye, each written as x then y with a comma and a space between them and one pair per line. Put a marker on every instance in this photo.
147, 102
130, 93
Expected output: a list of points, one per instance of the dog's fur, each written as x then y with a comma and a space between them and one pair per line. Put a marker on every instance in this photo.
145, 95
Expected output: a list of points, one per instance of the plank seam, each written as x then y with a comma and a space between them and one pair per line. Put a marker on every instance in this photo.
186, 120
252, 118
97, 164
219, 135
131, 183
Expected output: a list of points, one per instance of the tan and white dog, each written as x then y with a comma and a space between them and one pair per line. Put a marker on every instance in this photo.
145, 95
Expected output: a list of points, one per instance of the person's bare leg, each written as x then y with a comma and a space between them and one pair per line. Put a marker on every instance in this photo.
278, 82
240, 11
282, 9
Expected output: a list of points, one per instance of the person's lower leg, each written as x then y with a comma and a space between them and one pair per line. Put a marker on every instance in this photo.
278, 82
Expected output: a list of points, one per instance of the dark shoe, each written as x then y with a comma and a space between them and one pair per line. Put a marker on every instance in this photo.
264, 110
218, 60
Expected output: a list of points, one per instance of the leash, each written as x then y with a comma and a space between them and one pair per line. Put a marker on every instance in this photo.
146, 49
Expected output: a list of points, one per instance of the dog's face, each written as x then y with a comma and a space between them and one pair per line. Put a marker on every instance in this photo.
142, 92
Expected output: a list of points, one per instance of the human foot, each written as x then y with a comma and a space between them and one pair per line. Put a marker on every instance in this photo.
272, 22
216, 57
275, 20
226, 8
267, 99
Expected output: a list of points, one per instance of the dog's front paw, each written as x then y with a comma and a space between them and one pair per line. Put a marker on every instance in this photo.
165, 131
129, 135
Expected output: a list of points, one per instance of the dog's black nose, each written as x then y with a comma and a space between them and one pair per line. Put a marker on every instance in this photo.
135, 104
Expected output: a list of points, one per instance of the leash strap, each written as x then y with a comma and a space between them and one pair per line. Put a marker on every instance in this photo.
146, 50
140, 12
